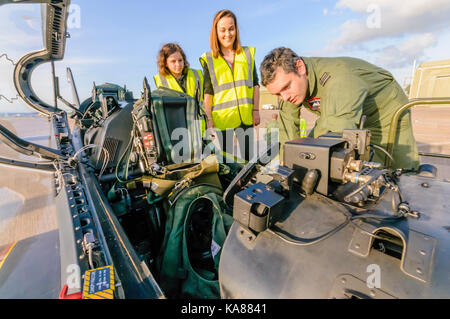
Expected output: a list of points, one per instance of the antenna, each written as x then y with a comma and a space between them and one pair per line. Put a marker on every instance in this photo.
70, 79
94, 92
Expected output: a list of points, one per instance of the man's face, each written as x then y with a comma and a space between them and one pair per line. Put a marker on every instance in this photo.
291, 87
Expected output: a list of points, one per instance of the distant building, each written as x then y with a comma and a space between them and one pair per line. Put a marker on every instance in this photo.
431, 79
267, 98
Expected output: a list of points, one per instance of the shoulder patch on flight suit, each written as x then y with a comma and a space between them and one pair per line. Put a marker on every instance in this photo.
324, 78
314, 104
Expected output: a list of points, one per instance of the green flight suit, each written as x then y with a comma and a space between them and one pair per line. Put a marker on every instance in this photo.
271, 134
343, 89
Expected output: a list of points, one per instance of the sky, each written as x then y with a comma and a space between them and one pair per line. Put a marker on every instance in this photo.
118, 41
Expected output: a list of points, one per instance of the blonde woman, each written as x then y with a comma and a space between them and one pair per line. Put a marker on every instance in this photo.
231, 93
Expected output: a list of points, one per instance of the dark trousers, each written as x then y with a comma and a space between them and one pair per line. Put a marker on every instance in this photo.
245, 137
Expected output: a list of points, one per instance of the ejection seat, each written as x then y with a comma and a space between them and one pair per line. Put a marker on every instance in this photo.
178, 121
173, 117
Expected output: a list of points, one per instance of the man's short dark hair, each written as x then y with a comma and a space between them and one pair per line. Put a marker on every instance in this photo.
279, 57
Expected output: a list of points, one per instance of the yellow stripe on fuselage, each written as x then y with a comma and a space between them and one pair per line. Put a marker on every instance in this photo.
3, 258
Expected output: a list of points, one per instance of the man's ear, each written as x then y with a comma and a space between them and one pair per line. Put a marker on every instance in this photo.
301, 68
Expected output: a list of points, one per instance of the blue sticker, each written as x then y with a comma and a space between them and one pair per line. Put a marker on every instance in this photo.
100, 280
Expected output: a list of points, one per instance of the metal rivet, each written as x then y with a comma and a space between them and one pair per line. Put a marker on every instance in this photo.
372, 293
425, 185
419, 271
357, 246
343, 280
423, 252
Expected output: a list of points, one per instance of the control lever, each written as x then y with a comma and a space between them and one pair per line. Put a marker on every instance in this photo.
248, 171
362, 122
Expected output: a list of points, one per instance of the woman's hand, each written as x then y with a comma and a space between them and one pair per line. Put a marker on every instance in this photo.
256, 118
210, 127
207, 102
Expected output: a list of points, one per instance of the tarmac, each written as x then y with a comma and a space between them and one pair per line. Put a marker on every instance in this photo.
27, 207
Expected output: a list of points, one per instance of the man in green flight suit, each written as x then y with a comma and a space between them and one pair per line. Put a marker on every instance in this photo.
339, 90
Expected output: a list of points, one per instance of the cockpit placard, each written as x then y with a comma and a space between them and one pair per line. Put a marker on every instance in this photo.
99, 283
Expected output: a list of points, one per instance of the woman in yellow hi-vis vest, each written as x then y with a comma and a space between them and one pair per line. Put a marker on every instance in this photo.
303, 132
231, 93
174, 73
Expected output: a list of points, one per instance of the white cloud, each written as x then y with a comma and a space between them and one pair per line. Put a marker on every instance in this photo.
20, 34
389, 33
405, 52
19, 28
395, 19
33, 22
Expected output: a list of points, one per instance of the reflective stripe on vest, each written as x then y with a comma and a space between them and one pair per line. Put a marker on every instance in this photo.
232, 103
303, 132
194, 83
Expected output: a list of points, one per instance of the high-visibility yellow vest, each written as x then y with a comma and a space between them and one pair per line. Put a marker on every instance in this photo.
194, 83
232, 103
194, 88
303, 132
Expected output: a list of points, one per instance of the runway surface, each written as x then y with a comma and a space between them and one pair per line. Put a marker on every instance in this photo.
27, 206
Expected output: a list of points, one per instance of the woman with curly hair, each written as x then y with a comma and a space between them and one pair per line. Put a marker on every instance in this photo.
174, 72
